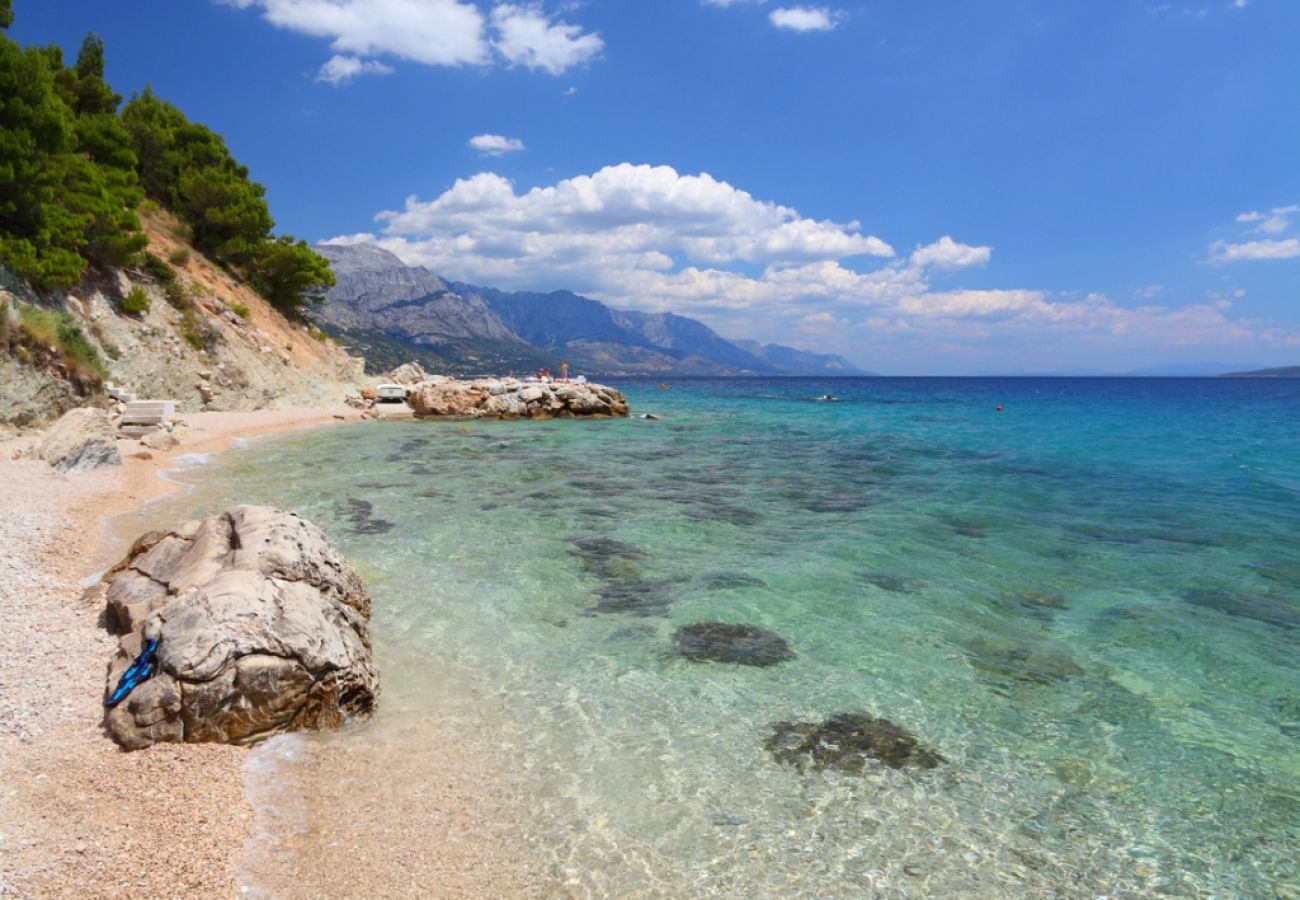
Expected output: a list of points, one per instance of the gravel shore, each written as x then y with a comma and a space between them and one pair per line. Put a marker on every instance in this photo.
78, 817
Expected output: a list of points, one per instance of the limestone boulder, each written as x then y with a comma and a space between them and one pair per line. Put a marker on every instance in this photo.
82, 439
408, 373
263, 627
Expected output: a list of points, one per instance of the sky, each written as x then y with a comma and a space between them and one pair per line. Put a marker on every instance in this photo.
924, 187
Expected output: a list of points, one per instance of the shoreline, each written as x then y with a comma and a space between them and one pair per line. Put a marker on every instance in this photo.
78, 816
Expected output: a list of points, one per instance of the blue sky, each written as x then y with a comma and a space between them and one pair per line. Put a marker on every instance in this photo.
925, 187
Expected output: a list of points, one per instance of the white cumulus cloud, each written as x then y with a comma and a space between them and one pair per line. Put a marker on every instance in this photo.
1275, 221
495, 144
342, 69
804, 18
433, 32
619, 213
946, 253
1226, 252
1271, 224
527, 37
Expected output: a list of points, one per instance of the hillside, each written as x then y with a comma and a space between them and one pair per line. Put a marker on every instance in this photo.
380, 304
1282, 372
135, 249
222, 347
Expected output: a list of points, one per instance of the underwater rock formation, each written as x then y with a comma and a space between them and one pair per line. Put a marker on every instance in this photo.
1259, 607
845, 742
261, 626
1034, 662
744, 645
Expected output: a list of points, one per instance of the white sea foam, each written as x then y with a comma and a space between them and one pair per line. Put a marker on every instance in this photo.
279, 811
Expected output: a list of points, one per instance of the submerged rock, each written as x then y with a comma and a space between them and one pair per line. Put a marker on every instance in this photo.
745, 645
889, 581
1259, 607
359, 514
262, 628
626, 590
1032, 662
845, 742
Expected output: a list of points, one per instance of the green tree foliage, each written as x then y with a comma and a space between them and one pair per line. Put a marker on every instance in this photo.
290, 274
38, 236
67, 192
73, 171
188, 168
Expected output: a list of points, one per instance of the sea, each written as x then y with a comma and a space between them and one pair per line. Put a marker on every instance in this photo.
1080, 597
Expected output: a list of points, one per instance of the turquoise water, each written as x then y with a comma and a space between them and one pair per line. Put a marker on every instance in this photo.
1088, 603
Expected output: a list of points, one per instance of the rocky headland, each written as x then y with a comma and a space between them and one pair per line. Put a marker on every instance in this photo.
510, 398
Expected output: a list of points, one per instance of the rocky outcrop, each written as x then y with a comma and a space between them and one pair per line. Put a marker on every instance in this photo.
262, 628
31, 396
513, 399
82, 439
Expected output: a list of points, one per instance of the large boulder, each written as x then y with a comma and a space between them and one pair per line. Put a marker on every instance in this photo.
510, 398
262, 628
82, 439
408, 373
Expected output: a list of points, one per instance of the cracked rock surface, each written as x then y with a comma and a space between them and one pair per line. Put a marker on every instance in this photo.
263, 628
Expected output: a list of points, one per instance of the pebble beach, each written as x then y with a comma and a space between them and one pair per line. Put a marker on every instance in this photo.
79, 817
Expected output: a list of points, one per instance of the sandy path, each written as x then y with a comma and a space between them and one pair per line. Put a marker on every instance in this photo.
79, 818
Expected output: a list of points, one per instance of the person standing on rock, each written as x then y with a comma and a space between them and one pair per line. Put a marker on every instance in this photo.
564, 370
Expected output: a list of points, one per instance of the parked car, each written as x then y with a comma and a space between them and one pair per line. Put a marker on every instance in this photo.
390, 393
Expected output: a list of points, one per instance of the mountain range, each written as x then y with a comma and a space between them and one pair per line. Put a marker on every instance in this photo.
392, 312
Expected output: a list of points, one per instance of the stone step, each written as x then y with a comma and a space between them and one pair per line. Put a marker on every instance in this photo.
135, 431
149, 412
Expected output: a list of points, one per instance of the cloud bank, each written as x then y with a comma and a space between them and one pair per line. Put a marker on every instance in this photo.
651, 238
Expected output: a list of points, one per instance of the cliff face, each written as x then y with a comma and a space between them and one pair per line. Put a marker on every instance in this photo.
414, 304
226, 349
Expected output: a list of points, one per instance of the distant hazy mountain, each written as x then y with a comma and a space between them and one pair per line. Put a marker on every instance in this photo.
790, 361
1283, 372
1187, 370
381, 306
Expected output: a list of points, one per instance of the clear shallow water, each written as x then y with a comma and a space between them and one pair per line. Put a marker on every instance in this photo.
1088, 603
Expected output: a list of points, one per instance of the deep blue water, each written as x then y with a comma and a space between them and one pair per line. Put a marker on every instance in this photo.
1087, 602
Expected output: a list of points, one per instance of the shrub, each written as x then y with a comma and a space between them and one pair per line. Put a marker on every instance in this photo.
155, 268
136, 302
61, 332
240, 310
180, 256
198, 333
